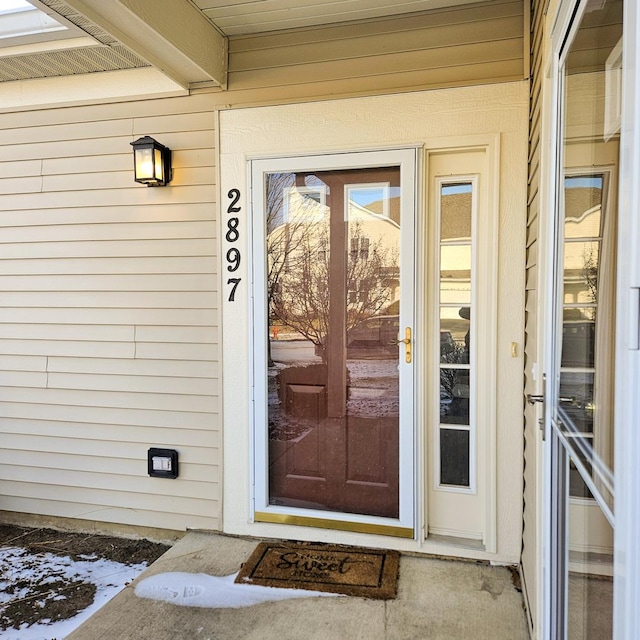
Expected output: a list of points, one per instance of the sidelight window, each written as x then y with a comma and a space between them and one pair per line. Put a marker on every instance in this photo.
455, 431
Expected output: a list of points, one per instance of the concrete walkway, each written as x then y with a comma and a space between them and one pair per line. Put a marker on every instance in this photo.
437, 600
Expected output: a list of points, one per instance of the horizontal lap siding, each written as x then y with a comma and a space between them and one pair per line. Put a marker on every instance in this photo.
109, 335
454, 47
531, 544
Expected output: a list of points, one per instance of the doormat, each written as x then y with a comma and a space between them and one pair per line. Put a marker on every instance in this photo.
370, 573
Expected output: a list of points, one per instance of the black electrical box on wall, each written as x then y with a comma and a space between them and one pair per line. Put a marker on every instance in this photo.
162, 463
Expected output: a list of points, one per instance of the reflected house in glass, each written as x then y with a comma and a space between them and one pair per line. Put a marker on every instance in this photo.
456, 299
333, 269
298, 254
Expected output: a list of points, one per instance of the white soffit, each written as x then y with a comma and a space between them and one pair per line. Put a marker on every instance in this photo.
240, 17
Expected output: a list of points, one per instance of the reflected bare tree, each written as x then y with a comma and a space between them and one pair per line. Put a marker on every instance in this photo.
298, 267
285, 238
590, 273
457, 353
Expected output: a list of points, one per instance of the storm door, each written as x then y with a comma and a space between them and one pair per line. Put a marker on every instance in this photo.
580, 384
333, 284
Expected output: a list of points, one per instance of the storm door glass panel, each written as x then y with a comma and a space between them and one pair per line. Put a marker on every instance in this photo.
455, 296
333, 288
587, 253
582, 411
584, 316
590, 567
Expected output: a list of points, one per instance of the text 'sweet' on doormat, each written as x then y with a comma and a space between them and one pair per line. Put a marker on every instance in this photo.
370, 573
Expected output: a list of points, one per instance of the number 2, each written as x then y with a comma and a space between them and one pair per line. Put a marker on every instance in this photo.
234, 196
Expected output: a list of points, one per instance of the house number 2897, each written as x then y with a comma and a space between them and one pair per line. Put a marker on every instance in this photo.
233, 235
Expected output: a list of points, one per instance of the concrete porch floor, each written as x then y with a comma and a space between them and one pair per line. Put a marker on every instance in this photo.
437, 600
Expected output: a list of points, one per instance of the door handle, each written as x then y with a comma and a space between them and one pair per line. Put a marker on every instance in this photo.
406, 342
533, 398
539, 398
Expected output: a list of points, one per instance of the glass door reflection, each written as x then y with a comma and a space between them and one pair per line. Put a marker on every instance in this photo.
333, 294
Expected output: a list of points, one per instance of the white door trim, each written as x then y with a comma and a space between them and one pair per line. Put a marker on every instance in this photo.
487, 313
406, 159
627, 444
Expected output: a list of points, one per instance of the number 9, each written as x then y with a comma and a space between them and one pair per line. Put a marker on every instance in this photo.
233, 258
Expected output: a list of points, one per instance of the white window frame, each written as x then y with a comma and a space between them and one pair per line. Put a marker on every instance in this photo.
384, 187
304, 191
440, 182
488, 194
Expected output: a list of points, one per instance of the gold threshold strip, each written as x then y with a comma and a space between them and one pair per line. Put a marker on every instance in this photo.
341, 525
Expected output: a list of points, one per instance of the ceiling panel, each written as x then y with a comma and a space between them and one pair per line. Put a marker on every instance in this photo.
232, 17
238, 17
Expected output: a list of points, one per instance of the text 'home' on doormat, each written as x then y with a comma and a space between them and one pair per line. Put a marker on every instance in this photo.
352, 571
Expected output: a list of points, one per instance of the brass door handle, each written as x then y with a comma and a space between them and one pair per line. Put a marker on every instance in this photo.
406, 342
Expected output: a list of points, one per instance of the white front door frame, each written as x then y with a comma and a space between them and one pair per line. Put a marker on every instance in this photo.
406, 160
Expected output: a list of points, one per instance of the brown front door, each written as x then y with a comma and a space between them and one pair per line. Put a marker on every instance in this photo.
333, 293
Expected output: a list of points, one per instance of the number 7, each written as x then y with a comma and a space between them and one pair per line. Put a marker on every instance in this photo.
235, 282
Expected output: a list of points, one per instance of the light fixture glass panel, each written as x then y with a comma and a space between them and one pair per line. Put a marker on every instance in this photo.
144, 164
159, 172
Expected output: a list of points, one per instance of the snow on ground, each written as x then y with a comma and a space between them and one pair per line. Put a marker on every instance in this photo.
212, 592
21, 571
20, 568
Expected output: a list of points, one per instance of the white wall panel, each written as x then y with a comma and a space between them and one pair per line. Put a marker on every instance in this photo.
99, 415
142, 384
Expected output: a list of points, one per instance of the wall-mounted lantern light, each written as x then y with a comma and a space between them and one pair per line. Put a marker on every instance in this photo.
151, 162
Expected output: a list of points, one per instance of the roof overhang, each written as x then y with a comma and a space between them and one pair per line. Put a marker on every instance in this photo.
171, 35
